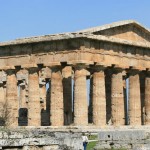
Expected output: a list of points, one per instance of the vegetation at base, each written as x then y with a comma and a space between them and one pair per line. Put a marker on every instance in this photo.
5, 115
91, 145
92, 137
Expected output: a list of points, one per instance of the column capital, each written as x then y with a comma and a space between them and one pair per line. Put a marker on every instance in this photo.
118, 70
80, 66
81, 70
132, 71
67, 71
32, 69
10, 71
55, 68
98, 68
147, 72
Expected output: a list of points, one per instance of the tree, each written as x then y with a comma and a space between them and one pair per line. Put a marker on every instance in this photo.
4, 115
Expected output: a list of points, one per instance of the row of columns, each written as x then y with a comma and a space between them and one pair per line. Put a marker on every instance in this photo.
58, 98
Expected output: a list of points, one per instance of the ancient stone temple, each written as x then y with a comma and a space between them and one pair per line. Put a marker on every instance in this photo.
43, 80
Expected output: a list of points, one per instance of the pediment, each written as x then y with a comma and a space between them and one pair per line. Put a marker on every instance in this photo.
127, 30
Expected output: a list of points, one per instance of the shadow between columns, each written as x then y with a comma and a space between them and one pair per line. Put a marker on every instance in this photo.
142, 90
45, 114
108, 77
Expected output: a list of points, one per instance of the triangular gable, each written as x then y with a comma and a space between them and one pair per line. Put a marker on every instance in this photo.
127, 30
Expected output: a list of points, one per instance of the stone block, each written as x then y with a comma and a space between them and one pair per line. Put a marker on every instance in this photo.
103, 146
105, 136
141, 147
51, 147
128, 135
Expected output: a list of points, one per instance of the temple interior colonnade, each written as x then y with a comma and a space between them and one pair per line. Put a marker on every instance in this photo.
116, 97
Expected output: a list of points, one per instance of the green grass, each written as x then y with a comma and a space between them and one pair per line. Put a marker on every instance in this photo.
91, 145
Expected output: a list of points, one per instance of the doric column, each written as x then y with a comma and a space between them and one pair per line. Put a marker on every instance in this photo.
99, 97
67, 94
2, 103
34, 109
134, 98
56, 103
11, 99
23, 102
42, 87
80, 96
44, 115
147, 99
42, 91
117, 98
23, 105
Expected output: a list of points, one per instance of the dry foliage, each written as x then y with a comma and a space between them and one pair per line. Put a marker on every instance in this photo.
5, 115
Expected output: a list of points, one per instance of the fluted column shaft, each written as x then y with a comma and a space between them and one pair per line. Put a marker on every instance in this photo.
11, 99
117, 98
147, 99
134, 99
80, 97
34, 111
99, 98
2, 99
56, 103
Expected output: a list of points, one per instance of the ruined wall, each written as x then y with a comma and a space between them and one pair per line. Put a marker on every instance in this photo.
39, 139
124, 138
69, 138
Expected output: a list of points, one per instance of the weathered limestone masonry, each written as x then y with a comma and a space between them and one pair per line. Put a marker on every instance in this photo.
44, 80
69, 138
40, 139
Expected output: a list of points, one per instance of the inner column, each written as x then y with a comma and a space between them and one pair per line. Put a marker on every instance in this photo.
11, 99
34, 109
99, 97
23, 103
108, 76
147, 99
23, 106
2, 104
42, 90
56, 100
117, 98
134, 98
80, 96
